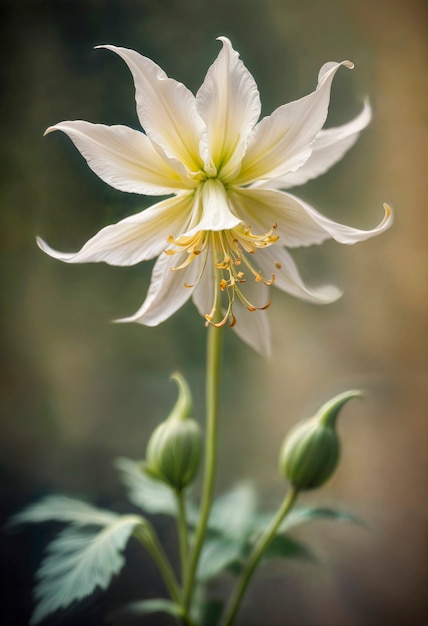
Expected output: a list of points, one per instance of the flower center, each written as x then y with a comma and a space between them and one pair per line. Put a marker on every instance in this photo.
230, 251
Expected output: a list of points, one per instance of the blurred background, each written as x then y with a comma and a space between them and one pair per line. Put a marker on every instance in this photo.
78, 391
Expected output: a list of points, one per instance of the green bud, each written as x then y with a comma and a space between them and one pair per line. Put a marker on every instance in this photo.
174, 449
311, 450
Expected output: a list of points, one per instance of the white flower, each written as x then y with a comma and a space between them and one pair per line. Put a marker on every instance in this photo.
222, 235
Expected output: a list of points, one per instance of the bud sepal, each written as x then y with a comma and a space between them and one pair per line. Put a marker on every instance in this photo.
174, 448
311, 451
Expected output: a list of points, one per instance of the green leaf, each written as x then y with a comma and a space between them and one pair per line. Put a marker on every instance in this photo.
63, 509
282, 547
232, 514
305, 514
145, 492
302, 515
217, 554
78, 561
136, 609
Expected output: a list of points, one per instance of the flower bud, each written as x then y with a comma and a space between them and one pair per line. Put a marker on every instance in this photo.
174, 448
311, 450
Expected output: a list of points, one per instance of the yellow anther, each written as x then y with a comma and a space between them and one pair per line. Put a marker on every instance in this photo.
230, 249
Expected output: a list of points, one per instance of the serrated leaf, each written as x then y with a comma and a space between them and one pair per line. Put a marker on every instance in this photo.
136, 609
233, 512
282, 547
78, 561
63, 509
217, 554
305, 514
145, 492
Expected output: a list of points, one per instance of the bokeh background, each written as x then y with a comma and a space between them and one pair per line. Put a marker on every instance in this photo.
78, 391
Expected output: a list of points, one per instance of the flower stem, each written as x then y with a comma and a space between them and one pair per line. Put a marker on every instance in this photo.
182, 532
147, 536
214, 352
256, 555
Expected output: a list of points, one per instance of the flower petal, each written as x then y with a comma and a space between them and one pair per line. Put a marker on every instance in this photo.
253, 326
203, 294
262, 208
216, 207
281, 143
276, 260
134, 239
124, 158
166, 109
328, 148
297, 223
340, 232
212, 209
169, 289
229, 103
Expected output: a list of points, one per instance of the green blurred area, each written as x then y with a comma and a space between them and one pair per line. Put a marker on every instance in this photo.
78, 391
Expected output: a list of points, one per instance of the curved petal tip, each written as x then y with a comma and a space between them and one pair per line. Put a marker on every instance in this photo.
44, 247
328, 294
49, 130
224, 40
388, 217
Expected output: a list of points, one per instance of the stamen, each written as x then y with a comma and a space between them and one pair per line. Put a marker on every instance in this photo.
230, 250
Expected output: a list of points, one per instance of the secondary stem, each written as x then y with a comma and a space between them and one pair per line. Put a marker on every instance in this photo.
148, 538
214, 351
256, 555
182, 532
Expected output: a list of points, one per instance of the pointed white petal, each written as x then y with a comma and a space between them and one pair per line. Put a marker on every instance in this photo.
212, 209
328, 148
216, 213
281, 143
203, 294
134, 239
298, 223
229, 103
262, 208
166, 109
276, 260
253, 326
340, 232
125, 158
168, 291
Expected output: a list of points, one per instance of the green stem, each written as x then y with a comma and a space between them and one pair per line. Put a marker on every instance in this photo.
182, 532
147, 536
214, 352
256, 555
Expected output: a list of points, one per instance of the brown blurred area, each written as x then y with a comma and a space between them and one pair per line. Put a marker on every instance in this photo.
78, 391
